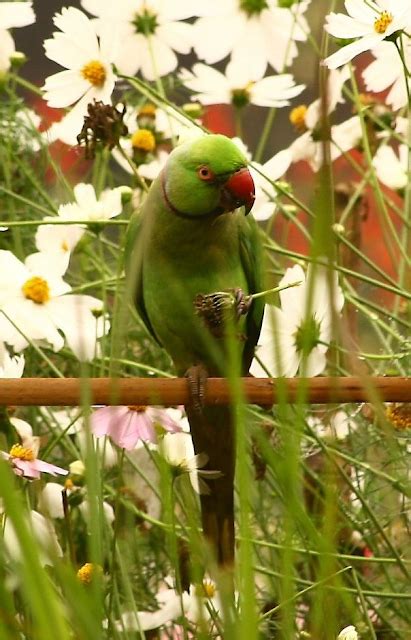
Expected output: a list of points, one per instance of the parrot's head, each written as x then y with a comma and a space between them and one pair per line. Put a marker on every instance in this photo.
207, 176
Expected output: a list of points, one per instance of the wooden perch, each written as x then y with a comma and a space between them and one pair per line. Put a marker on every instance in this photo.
174, 391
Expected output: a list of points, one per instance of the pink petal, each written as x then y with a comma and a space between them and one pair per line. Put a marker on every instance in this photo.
46, 467
105, 420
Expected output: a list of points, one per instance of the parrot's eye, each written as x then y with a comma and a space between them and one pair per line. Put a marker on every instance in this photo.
205, 173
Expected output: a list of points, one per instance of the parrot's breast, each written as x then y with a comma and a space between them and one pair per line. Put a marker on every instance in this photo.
182, 260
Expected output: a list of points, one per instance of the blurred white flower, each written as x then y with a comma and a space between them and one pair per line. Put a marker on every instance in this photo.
255, 34
171, 606
387, 71
236, 86
307, 119
338, 425
263, 176
21, 130
77, 468
10, 366
108, 511
392, 168
12, 14
369, 22
178, 450
344, 136
295, 338
51, 500
202, 603
348, 633
150, 32
33, 296
44, 536
25, 432
88, 59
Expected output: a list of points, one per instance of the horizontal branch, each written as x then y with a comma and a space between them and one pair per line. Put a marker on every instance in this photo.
175, 391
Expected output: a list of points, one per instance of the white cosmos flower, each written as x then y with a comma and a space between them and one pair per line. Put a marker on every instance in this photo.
87, 206
179, 453
344, 136
88, 59
12, 14
150, 32
43, 535
265, 193
51, 500
338, 426
369, 22
348, 633
255, 34
237, 86
149, 170
62, 239
202, 603
387, 71
10, 366
33, 296
171, 606
294, 338
392, 168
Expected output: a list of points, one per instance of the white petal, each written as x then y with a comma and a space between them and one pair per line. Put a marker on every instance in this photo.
165, 60
341, 26
214, 38
64, 88
43, 534
73, 315
352, 50
177, 35
51, 500
16, 14
7, 49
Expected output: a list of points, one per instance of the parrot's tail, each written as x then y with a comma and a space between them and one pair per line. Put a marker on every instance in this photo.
213, 434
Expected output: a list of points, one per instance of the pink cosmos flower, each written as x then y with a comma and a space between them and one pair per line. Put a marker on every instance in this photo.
27, 465
127, 425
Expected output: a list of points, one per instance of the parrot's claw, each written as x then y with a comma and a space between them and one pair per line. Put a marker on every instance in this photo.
214, 308
197, 378
243, 302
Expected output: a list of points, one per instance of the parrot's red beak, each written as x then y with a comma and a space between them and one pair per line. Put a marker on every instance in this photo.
238, 191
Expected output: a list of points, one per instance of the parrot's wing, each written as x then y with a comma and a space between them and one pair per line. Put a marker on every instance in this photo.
134, 264
251, 256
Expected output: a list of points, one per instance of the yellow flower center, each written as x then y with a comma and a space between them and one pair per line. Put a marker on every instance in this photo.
64, 246
148, 110
24, 453
399, 415
209, 588
87, 572
143, 140
382, 23
139, 408
36, 289
94, 72
297, 117
69, 484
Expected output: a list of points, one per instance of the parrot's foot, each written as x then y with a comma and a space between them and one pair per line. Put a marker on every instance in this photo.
214, 308
242, 302
197, 378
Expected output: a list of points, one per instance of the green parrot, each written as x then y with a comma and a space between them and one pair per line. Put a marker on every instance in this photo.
191, 243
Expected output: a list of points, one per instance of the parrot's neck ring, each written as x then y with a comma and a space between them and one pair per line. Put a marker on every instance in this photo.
181, 214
